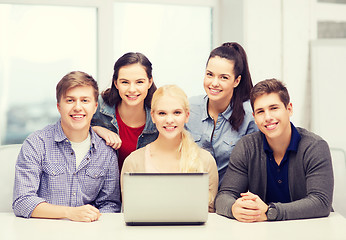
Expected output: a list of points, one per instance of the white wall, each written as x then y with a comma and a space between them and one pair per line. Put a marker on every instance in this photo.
276, 38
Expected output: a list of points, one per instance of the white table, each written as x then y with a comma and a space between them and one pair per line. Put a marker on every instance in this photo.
112, 226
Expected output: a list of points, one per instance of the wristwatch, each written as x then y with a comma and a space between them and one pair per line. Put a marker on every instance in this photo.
272, 212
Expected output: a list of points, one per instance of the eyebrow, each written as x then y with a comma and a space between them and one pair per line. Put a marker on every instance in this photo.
272, 105
177, 109
222, 74
78, 97
124, 79
225, 74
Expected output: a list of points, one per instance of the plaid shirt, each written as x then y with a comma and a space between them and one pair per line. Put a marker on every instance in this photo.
46, 172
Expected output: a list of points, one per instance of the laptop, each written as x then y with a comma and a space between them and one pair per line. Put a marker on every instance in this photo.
165, 198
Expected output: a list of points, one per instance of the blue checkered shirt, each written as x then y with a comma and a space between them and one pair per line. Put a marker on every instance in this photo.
46, 172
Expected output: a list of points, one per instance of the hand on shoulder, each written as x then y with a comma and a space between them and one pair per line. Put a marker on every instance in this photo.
111, 138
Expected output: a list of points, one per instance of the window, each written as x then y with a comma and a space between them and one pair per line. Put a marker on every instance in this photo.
41, 41
177, 39
39, 45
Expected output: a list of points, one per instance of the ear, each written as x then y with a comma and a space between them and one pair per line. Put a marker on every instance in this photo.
96, 107
187, 117
253, 114
237, 81
150, 82
58, 107
152, 116
115, 84
290, 109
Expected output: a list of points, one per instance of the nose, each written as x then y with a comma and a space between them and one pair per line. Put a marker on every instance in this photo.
267, 116
78, 106
132, 87
215, 81
169, 118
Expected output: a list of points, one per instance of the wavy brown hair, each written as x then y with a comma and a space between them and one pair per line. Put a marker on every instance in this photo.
111, 95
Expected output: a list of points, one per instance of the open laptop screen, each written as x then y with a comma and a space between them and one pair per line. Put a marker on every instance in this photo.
165, 198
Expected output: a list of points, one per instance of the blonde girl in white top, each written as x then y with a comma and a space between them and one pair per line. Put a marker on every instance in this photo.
174, 150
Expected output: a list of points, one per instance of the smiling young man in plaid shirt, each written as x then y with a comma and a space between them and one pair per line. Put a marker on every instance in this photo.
66, 170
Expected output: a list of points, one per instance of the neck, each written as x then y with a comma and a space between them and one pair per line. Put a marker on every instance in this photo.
280, 144
215, 108
76, 136
132, 116
167, 145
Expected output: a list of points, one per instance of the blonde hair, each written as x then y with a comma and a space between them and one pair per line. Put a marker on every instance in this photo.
188, 149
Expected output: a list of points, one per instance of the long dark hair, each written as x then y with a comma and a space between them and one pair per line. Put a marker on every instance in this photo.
235, 53
111, 95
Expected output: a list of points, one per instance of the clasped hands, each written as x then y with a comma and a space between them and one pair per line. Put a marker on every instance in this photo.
249, 208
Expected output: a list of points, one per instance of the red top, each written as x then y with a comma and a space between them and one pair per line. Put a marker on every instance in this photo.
129, 137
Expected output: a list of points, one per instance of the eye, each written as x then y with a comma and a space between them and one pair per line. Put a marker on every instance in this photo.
140, 81
274, 108
160, 113
85, 100
209, 74
224, 78
69, 100
124, 82
259, 112
177, 112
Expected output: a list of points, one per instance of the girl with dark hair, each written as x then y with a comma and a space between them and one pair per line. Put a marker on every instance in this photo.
219, 119
123, 116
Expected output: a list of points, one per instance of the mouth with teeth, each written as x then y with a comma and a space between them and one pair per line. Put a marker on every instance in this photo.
169, 128
214, 91
77, 117
132, 97
271, 126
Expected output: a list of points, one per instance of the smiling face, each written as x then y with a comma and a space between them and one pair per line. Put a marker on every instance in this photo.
133, 84
169, 116
272, 117
219, 80
77, 108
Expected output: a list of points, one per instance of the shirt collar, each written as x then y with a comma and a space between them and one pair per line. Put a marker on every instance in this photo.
205, 115
60, 135
294, 143
106, 109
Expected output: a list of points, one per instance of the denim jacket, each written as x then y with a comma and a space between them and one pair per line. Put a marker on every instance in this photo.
105, 117
221, 139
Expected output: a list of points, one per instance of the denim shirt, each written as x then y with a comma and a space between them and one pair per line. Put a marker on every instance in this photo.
221, 140
105, 117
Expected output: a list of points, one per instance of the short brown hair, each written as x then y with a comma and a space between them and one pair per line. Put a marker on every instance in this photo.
269, 86
75, 79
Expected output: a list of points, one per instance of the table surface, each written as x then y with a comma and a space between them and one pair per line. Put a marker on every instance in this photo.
112, 226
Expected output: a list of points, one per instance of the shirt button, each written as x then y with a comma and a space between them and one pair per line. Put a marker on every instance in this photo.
279, 181
74, 194
278, 170
71, 153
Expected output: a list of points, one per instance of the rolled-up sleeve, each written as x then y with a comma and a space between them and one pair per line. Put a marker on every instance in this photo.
28, 171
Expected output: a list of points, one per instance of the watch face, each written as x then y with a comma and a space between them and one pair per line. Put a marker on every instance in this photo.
272, 213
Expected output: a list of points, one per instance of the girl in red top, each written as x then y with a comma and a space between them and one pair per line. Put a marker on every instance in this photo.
123, 116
